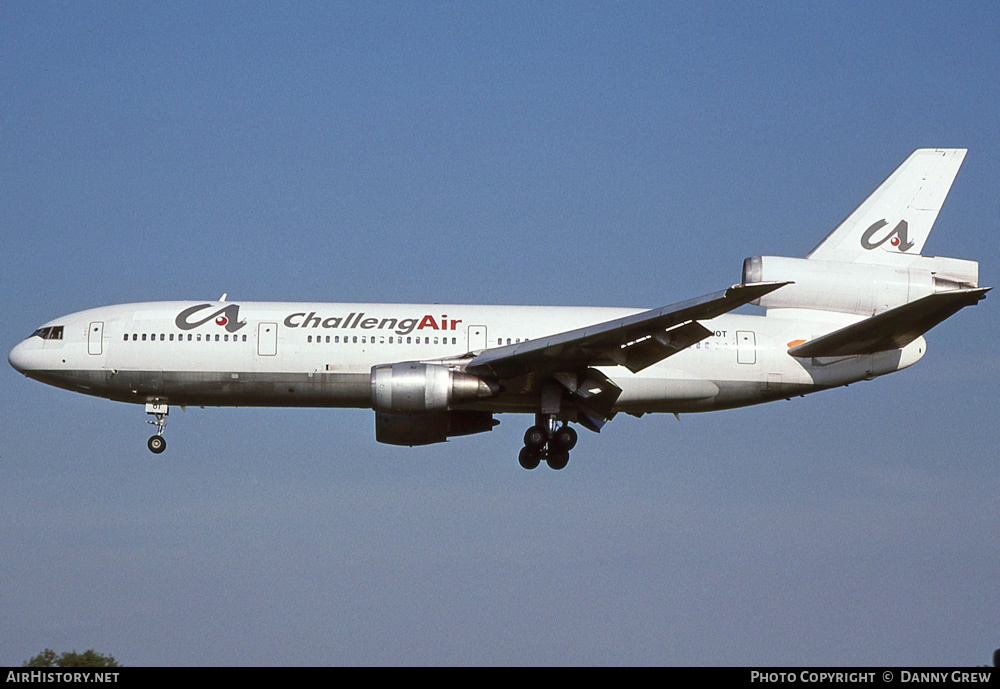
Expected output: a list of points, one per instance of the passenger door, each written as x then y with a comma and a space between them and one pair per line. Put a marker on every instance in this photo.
267, 339
95, 338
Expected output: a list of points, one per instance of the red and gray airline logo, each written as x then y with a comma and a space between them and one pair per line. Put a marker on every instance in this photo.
897, 237
227, 317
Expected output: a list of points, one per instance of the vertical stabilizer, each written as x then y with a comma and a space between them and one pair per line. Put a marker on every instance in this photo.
894, 222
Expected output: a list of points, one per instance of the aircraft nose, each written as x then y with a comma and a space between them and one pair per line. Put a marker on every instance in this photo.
21, 357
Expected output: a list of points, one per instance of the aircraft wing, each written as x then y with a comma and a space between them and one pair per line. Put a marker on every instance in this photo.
635, 341
892, 329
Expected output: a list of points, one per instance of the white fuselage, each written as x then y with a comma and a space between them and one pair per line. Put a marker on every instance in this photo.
322, 354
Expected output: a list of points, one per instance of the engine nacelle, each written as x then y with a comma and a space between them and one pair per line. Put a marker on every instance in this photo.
428, 428
863, 289
412, 388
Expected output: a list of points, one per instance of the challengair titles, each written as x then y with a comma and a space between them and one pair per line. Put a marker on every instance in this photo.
400, 326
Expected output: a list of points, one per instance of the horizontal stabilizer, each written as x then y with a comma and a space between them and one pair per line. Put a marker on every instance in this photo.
892, 329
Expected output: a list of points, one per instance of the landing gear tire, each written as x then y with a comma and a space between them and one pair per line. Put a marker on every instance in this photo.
156, 444
158, 410
536, 437
565, 438
543, 442
558, 460
529, 458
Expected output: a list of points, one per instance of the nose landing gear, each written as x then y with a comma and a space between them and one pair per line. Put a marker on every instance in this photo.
544, 441
157, 443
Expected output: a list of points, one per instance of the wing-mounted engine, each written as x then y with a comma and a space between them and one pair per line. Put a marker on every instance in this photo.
412, 403
412, 388
863, 289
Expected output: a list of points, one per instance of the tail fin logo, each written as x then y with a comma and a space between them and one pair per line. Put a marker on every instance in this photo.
227, 317
897, 237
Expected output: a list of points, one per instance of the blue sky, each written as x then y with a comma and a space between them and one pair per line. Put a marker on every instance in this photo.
547, 153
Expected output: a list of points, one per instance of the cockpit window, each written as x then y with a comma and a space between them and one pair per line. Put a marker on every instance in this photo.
53, 332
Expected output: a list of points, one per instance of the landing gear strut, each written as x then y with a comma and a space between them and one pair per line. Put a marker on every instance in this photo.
546, 441
157, 443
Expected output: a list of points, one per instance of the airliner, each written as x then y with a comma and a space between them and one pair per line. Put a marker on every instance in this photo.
856, 307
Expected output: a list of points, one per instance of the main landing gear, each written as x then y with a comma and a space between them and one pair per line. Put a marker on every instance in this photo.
545, 441
157, 443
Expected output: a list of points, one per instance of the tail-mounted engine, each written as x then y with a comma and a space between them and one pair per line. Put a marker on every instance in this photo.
863, 289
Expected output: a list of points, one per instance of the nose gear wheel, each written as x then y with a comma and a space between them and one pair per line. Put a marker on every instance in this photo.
158, 411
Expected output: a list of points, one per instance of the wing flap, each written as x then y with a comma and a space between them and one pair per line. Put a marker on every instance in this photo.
650, 349
892, 329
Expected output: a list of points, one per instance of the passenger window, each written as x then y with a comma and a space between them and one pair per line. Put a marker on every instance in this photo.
144, 337
199, 337
135, 336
